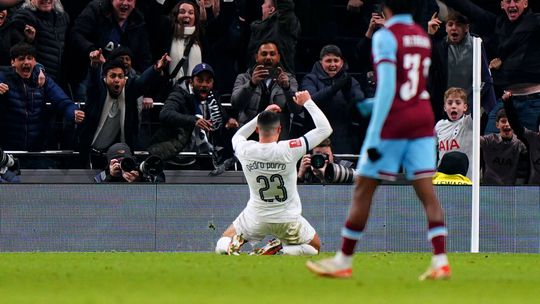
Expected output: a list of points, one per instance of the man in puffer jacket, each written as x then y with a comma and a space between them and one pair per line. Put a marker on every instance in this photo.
23, 117
44, 24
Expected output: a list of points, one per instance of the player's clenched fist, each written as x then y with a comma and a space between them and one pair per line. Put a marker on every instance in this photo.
273, 108
301, 97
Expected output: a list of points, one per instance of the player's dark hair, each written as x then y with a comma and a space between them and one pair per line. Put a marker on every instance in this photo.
501, 113
22, 49
268, 120
401, 6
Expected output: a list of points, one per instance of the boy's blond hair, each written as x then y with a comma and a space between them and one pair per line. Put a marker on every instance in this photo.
456, 91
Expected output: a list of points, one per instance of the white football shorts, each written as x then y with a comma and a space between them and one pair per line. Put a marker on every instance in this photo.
291, 233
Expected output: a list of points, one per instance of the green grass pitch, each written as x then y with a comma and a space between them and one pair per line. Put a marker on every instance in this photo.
209, 278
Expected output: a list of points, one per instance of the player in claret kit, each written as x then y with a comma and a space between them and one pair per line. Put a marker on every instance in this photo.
274, 207
400, 133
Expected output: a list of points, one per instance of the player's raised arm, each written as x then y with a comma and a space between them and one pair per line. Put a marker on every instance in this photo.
322, 125
244, 132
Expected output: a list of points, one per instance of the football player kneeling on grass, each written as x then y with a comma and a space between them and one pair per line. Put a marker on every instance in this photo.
274, 207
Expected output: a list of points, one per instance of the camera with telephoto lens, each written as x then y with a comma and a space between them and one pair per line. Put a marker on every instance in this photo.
150, 168
336, 173
318, 160
8, 162
128, 164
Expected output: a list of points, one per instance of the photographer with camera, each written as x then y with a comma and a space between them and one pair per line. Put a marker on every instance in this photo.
321, 167
123, 168
9, 168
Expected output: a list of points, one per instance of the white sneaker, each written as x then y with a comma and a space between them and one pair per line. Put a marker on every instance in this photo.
329, 268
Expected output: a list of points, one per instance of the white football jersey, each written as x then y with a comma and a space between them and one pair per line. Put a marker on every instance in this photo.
270, 169
455, 136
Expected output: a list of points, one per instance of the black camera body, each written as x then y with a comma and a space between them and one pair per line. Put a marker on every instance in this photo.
128, 164
318, 160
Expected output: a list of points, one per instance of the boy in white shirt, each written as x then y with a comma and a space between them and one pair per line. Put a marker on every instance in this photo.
455, 133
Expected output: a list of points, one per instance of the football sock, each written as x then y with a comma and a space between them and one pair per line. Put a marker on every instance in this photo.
303, 249
351, 233
437, 235
439, 260
342, 260
223, 245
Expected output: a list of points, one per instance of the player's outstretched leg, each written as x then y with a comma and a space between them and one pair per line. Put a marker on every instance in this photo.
340, 266
439, 267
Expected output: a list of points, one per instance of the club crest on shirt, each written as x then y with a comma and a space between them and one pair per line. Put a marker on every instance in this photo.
295, 143
456, 131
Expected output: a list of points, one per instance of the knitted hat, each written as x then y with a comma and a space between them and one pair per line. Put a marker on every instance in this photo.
118, 150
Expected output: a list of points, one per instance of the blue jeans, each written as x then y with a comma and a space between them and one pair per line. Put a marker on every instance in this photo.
527, 108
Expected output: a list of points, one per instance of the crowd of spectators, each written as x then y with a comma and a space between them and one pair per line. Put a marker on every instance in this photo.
93, 70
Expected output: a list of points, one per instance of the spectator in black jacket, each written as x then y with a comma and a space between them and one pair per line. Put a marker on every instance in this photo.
530, 137
4, 39
279, 23
336, 93
44, 24
224, 42
192, 120
112, 114
516, 66
107, 24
